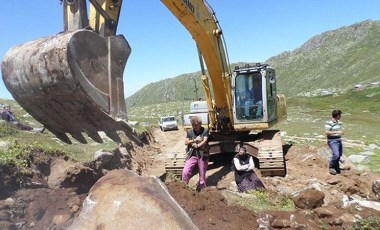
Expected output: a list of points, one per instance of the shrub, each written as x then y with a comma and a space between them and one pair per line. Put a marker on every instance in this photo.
369, 223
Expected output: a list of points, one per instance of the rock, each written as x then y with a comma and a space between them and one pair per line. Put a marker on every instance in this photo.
358, 158
367, 153
298, 226
347, 218
9, 201
4, 145
323, 212
280, 223
103, 156
125, 152
325, 152
316, 186
264, 220
7, 225
309, 199
4, 204
344, 166
74, 208
60, 219
355, 197
233, 187
333, 181
4, 215
364, 203
123, 200
376, 188
371, 147
352, 189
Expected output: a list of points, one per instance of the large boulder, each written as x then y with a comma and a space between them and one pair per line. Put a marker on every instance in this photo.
376, 188
309, 199
123, 200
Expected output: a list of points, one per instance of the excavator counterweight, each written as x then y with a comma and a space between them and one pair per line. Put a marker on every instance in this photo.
71, 83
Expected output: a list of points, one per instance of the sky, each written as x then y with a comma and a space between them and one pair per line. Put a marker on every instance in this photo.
254, 31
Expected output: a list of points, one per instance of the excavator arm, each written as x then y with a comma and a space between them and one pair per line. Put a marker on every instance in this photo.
103, 15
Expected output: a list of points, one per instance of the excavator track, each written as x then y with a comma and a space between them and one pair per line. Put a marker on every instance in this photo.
271, 161
270, 154
72, 83
174, 163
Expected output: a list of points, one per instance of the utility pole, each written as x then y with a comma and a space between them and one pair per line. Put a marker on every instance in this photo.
196, 90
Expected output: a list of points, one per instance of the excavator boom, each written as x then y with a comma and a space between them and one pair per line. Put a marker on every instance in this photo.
200, 20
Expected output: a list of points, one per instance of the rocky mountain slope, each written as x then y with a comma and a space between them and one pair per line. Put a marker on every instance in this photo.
335, 60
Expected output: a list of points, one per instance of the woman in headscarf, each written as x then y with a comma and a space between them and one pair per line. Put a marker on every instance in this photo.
245, 176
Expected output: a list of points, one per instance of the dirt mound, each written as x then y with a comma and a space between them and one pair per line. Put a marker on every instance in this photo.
209, 209
49, 193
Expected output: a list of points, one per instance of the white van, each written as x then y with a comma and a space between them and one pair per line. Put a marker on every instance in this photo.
168, 123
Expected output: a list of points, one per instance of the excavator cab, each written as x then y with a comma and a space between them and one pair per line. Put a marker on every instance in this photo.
255, 98
72, 82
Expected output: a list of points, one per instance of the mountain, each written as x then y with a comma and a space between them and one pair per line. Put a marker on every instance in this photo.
334, 60
168, 90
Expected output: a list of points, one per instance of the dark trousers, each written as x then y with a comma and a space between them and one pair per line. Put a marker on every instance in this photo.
337, 151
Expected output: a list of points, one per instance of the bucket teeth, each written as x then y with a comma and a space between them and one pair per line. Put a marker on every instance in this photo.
79, 137
113, 135
62, 136
95, 136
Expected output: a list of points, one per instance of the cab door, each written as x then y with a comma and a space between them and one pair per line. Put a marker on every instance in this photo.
271, 94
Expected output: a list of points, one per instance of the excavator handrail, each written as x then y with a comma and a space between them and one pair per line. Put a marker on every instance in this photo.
221, 35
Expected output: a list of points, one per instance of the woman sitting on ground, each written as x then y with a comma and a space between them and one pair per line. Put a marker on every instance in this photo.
245, 176
7, 115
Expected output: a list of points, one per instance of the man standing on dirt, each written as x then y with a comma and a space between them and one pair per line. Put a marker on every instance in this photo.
334, 132
198, 152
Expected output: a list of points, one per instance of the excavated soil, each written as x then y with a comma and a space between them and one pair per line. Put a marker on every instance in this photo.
38, 199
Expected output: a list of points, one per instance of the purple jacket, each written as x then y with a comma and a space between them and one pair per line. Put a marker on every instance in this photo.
8, 116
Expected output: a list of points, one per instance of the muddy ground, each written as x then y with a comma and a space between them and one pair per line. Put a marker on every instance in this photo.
48, 196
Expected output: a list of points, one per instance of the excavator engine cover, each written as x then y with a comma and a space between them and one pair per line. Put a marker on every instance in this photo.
71, 83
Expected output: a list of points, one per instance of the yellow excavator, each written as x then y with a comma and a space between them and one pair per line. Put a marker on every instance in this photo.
72, 82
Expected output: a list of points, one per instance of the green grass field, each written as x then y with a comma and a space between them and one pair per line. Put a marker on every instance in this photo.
361, 115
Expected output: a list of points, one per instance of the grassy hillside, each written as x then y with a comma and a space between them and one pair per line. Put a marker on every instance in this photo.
180, 88
334, 60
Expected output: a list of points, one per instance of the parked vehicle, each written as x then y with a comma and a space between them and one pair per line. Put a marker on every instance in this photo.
168, 123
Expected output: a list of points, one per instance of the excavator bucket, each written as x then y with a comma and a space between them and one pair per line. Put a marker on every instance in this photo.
72, 83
